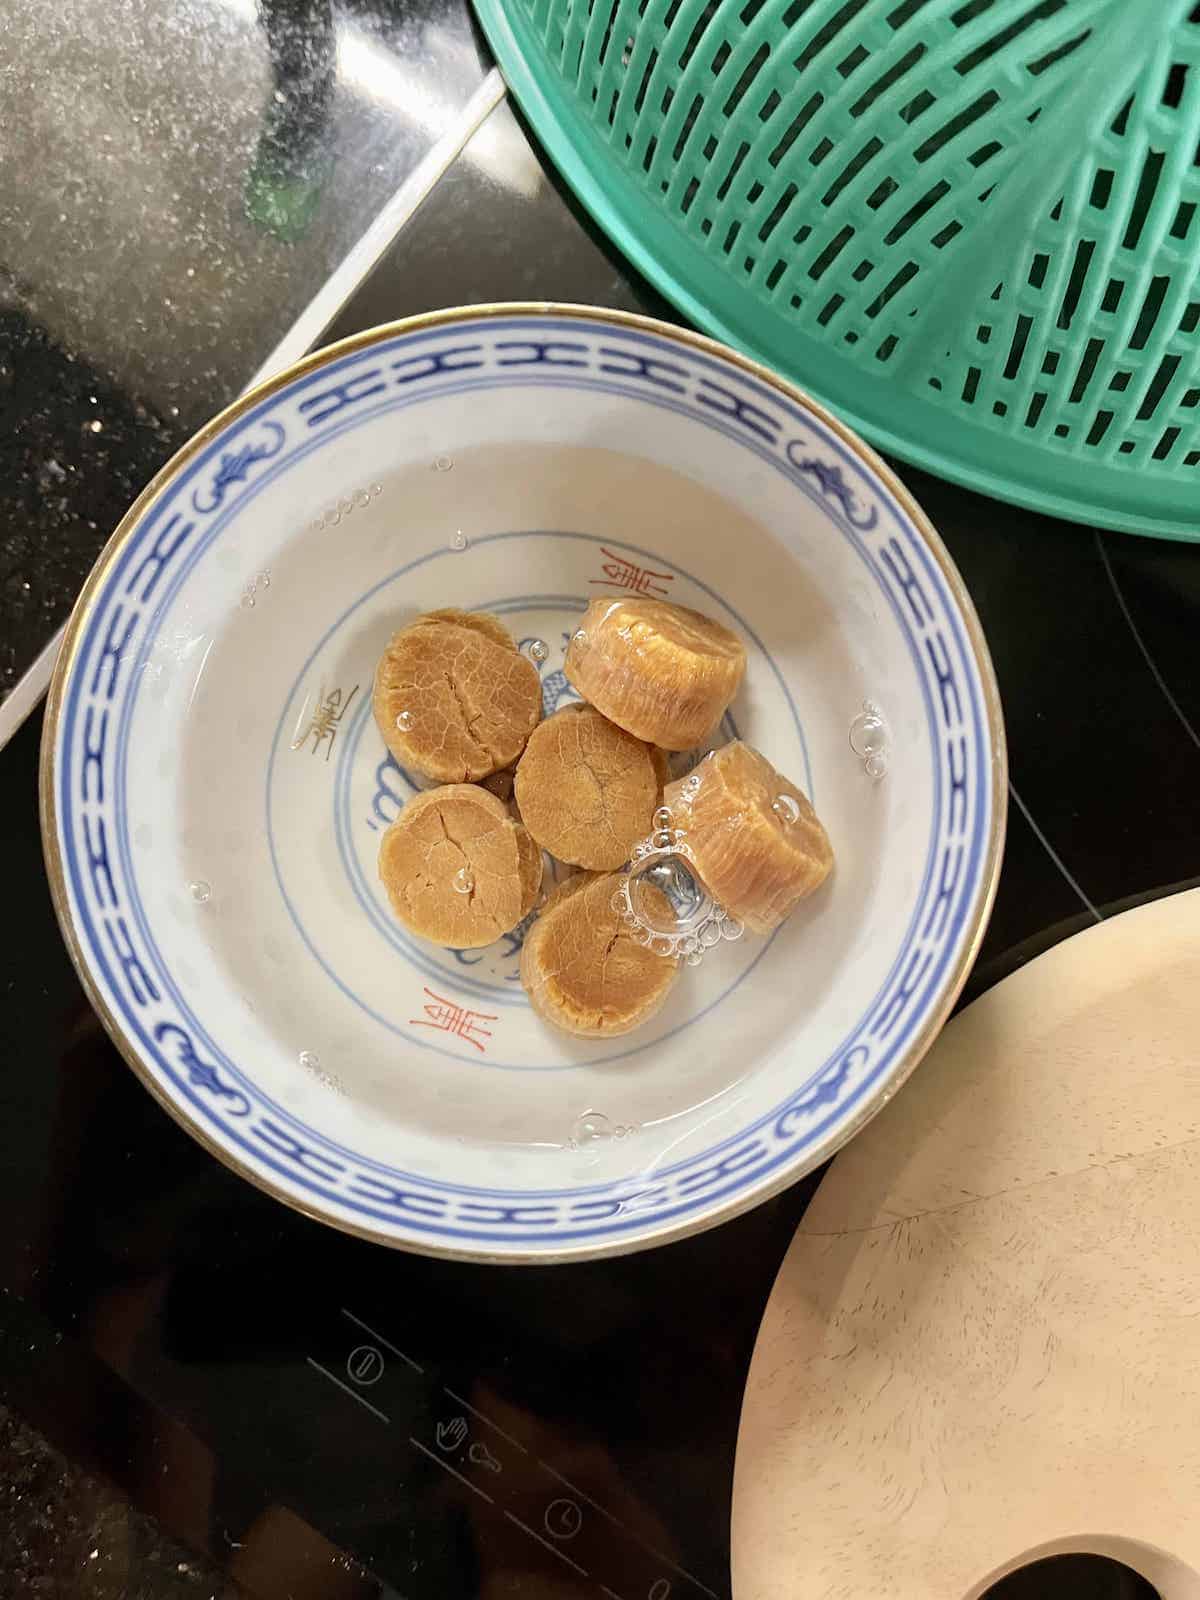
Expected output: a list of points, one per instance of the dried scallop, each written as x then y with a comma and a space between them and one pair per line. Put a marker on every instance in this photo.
458, 869
455, 699
586, 789
754, 838
584, 970
662, 672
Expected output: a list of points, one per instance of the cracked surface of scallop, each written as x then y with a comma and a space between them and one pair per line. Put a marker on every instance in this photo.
457, 869
583, 969
456, 701
586, 789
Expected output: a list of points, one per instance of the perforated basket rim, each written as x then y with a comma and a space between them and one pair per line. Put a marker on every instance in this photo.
600, 188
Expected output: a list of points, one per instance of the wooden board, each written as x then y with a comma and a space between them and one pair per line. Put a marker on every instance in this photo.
984, 1343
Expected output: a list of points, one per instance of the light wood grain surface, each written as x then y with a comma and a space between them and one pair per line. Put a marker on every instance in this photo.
984, 1343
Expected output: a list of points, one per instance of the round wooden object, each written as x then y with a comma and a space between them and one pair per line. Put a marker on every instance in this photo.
983, 1346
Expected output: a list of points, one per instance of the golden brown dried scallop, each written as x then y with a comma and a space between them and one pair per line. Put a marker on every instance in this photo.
458, 869
454, 702
660, 671
754, 838
531, 866
582, 968
484, 622
586, 789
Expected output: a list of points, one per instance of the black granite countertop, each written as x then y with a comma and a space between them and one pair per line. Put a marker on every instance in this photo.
210, 165
178, 182
68, 1532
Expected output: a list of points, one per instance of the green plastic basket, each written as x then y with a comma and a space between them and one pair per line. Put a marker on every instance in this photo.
968, 226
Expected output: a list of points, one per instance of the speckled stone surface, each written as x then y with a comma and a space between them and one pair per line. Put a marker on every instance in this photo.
64, 1533
178, 181
74, 451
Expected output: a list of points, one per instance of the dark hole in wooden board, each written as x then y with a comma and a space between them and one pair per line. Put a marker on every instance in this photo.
1064, 1577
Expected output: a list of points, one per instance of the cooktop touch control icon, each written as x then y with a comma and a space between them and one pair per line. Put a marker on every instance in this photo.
563, 1519
451, 1434
483, 1457
364, 1365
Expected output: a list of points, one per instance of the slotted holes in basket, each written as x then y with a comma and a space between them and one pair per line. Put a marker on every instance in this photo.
974, 218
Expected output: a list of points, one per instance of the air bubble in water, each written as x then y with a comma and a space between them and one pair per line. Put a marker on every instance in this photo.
459, 541
464, 880
538, 649
867, 733
263, 580
248, 602
785, 808
662, 817
200, 891
405, 721
868, 740
444, 463
589, 1128
673, 879
309, 1060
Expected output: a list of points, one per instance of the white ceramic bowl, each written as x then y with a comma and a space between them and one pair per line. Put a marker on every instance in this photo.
214, 787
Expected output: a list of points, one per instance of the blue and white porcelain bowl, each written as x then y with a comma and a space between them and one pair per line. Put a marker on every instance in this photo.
214, 788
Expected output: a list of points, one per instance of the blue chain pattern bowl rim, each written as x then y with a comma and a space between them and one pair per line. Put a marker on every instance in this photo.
741, 1183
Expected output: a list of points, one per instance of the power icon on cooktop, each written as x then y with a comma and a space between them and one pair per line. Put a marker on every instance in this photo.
365, 1365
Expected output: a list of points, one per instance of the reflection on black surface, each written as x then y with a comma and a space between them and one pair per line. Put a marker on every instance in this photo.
69, 1527
497, 230
1098, 752
293, 161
